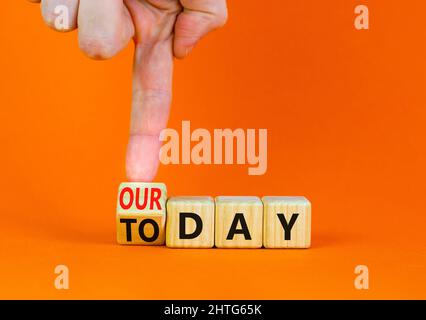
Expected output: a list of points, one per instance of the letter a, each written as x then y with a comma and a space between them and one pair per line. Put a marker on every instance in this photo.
62, 280
362, 21
361, 281
62, 20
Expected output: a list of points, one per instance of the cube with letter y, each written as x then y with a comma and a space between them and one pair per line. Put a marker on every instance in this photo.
238, 222
190, 222
287, 222
141, 213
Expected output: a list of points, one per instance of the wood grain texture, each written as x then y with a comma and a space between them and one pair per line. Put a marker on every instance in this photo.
238, 211
177, 209
141, 213
297, 209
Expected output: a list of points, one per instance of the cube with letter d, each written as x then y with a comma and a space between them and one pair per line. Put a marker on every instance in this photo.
190, 222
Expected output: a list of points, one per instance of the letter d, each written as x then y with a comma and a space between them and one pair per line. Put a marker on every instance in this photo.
182, 225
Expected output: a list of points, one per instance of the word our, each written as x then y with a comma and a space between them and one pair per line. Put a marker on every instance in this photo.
146, 217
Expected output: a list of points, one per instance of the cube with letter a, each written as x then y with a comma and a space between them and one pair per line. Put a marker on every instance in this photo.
238, 222
141, 213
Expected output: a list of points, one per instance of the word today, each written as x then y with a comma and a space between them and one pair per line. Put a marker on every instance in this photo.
146, 217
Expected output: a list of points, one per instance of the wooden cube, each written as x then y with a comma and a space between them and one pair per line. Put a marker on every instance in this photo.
141, 213
238, 222
287, 222
190, 222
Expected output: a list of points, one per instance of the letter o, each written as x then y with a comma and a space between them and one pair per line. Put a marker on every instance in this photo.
142, 231
129, 205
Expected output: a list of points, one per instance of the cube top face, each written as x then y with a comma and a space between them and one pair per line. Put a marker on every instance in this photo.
239, 222
290, 200
191, 199
135, 197
287, 222
238, 200
190, 222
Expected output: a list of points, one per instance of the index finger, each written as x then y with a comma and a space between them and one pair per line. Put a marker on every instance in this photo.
152, 87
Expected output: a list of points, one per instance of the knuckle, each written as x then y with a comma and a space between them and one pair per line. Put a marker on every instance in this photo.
97, 48
155, 104
154, 101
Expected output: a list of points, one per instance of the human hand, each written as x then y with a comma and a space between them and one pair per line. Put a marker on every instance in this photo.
161, 30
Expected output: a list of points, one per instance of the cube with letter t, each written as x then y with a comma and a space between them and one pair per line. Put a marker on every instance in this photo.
141, 213
190, 222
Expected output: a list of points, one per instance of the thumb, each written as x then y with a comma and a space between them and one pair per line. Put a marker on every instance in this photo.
196, 20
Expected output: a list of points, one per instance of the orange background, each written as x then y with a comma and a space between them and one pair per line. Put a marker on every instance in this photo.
345, 113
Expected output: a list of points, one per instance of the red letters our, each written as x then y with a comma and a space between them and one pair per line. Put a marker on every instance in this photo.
140, 197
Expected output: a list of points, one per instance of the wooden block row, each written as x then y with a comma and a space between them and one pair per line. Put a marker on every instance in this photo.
204, 222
